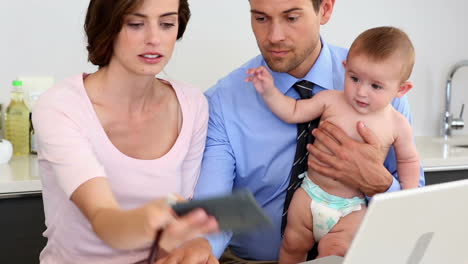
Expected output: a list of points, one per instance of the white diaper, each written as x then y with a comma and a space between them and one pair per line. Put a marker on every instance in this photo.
327, 209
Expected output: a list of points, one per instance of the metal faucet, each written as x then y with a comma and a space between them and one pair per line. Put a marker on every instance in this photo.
450, 122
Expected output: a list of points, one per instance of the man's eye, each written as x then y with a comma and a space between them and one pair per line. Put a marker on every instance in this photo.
293, 18
260, 19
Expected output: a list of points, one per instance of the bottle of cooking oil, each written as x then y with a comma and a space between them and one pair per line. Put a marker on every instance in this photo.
1, 123
17, 121
32, 136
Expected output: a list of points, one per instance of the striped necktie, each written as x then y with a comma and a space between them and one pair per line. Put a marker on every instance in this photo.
304, 89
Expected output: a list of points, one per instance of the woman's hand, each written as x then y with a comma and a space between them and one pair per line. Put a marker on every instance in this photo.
178, 242
176, 230
196, 251
186, 228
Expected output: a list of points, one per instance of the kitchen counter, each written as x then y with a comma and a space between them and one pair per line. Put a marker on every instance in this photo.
438, 154
22, 211
20, 177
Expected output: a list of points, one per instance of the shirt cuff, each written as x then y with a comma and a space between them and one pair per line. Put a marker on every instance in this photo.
219, 242
395, 186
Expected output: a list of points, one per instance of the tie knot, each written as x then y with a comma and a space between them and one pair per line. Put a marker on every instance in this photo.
304, 88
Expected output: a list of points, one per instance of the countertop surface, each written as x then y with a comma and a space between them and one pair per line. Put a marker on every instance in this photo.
439, 154
21, 177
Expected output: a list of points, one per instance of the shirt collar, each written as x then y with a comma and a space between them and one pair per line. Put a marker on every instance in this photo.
319, 74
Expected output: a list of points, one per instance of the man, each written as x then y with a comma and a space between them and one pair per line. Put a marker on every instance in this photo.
248, 147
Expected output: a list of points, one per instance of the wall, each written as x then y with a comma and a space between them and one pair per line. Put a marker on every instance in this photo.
45, 37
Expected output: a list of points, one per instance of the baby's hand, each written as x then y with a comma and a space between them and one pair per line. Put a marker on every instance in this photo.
261, 79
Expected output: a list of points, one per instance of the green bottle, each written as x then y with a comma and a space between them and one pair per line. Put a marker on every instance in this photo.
17, 123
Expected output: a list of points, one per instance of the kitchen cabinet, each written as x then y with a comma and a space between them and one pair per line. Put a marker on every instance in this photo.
22, 224
434, 177
22, 212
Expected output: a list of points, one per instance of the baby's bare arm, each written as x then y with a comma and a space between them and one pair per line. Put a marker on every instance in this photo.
285, 107
280, 104
408, 164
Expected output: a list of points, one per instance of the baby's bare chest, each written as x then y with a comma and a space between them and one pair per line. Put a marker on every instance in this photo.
382, 125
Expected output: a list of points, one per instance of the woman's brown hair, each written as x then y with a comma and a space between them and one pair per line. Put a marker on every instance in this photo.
104, 20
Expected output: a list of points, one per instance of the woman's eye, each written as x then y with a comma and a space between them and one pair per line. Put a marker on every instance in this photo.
167, 25
135, 25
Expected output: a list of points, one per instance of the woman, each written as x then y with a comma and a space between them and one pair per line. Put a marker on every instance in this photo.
114, 142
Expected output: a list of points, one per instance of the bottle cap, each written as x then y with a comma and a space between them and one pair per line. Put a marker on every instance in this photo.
17, 83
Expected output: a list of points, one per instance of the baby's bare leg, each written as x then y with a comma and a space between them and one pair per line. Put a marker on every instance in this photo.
298, 237
338, 240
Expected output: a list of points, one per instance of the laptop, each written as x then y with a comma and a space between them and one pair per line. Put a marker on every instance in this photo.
428, 225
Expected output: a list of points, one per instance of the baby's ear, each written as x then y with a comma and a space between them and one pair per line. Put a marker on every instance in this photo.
344, 64
404, 88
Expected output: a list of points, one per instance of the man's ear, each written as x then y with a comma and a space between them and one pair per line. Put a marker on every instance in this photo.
404, 88
326, 10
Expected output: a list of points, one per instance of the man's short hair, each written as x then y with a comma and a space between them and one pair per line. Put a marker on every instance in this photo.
316, 4
104, 21
380, 43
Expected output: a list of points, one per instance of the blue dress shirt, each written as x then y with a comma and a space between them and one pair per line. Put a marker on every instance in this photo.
248, 147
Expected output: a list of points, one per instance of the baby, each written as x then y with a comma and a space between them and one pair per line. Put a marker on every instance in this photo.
378, 66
